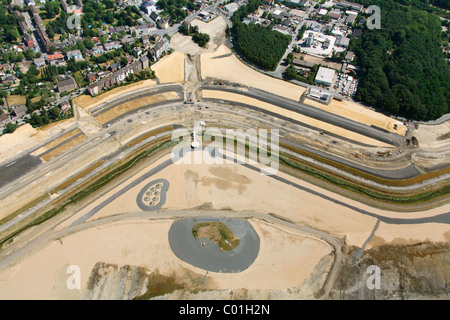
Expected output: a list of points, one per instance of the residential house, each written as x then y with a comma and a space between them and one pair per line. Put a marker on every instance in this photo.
114, 66
118, 76
54, 57
98, 49
92, 76
128, 39
5, 118
65, 106
158, 49
112, 45
28, 39
66, 83
39, 62
154, 16
144, 62
19, 111
76, 54
163, 23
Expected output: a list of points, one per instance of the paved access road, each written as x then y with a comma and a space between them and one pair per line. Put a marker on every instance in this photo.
316, 113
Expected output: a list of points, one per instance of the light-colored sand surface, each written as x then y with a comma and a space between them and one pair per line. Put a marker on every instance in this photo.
361, 114
223, 64
292, 115
317, 60
170, 68
192, 185
409, 234
434, 137
87, 102
65, 147
26, 137
135, 104
214, 28
288, 255
57, 141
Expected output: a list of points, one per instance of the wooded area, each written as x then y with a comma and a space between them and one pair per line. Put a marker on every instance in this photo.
403, 70
259, 45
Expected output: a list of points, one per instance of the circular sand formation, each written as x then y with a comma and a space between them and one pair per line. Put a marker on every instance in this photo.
153, 195
204, 253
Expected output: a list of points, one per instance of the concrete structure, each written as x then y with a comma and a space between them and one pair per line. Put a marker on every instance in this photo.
325, 76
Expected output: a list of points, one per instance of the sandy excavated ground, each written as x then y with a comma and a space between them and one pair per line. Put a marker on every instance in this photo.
288, 255
434, 137
170, 68
26, 137
214, 28
192, 185
361, 114
133, 105
317, 60
87, 102
223, 64
292, 115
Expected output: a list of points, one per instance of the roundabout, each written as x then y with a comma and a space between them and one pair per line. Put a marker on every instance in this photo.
205, 254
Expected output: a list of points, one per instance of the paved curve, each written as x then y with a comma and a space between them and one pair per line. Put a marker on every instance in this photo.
209, 257
441, 218
316, 113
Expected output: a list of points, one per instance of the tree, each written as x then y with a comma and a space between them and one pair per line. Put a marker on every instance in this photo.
12, 35
10, 127
29, 54
88, 43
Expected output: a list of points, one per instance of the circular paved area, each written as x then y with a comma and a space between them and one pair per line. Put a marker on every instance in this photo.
209, 257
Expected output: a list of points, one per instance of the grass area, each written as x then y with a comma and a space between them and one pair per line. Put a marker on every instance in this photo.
218, 232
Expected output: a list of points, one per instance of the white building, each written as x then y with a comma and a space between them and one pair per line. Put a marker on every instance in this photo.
325, 76
231, 7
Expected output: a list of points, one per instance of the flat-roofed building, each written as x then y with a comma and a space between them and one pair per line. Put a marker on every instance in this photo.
325, 76
347, 4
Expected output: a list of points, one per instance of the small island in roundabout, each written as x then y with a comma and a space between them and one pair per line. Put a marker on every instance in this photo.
217, 232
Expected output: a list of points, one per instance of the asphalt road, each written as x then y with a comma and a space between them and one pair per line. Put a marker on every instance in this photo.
316, 113
209, 257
